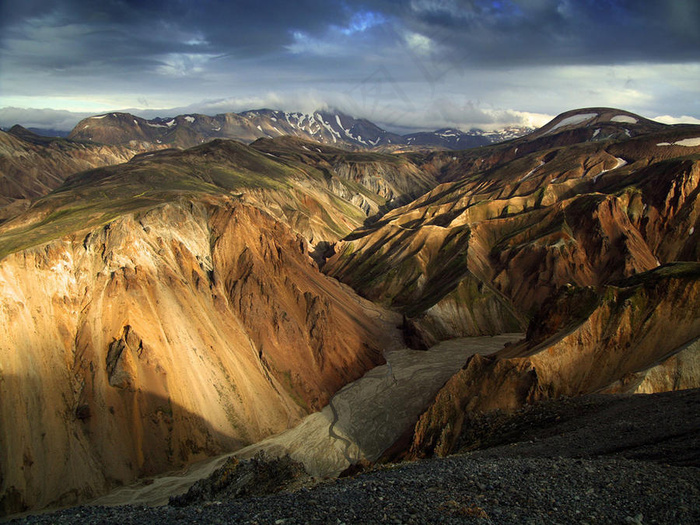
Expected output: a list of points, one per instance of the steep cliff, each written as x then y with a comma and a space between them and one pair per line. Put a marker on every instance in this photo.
146, 331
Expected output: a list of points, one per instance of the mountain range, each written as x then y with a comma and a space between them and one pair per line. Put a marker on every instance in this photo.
113, 138
165, 305
327, 127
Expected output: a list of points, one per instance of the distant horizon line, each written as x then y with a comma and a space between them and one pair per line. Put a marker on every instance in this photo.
153, 114
176, 112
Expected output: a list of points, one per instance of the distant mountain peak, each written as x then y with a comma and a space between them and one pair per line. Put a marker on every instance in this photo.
328, 126
591, 117
596, 124
31, 135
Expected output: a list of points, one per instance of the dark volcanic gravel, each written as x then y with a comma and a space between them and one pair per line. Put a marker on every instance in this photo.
459, 489
593, 460
664, 428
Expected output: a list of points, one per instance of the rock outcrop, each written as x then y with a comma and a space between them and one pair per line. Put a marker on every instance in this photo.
254, 477
582, 341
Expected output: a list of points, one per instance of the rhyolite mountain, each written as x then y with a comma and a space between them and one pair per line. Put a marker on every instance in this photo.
636, 335
167, 309
585, 232
511, 223
189, 302
328, 127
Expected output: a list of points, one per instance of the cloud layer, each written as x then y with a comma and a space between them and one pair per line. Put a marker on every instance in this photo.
404, 63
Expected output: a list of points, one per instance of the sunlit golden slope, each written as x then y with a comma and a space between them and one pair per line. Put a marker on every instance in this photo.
165, 310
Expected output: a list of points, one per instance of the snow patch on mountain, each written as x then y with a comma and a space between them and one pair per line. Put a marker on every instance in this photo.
533, 170
572, 120
684, 142
620, 162
326, 126
625, 119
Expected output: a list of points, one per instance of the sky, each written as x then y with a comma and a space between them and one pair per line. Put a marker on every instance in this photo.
404, 64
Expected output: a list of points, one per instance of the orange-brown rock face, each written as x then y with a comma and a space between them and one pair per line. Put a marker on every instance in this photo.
165, 336
670, 220
586, 214
300, 308
598, 342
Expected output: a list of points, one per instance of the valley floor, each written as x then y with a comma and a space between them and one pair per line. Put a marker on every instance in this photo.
362, 420
567, 461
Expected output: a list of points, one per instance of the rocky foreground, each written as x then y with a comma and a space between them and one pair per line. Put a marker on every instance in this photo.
596, 459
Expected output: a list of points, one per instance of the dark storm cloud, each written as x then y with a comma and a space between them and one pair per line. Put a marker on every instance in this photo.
151, 28
470, 31
542, 32
386, 56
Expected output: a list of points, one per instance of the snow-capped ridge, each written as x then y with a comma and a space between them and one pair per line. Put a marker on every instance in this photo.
329, 126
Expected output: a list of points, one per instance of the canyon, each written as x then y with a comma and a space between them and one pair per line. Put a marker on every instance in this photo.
163, 306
